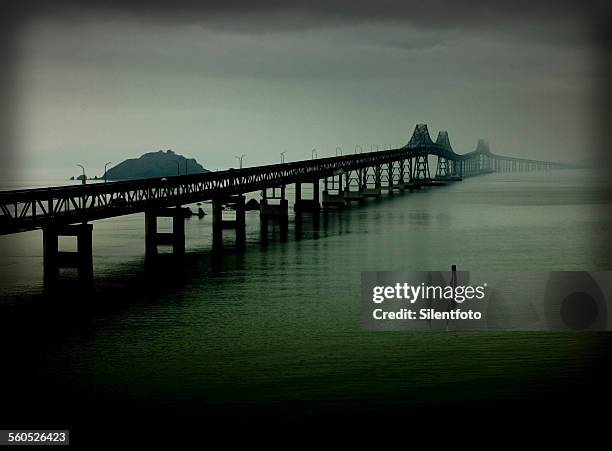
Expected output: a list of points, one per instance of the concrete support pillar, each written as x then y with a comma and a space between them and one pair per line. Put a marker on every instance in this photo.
279, 207
178, 232
331, 199
153, 238
85, 251
298, 193
307, 204
240, 221
217, 222
150, 234
237, 205
50, 254
54, 259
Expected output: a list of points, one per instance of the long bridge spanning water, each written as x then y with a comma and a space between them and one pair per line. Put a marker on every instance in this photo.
68, 210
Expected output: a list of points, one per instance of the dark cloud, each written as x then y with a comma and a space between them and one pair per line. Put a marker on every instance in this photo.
511, 67
291, 14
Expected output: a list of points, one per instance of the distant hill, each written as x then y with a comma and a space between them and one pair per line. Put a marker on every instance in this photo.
154, 164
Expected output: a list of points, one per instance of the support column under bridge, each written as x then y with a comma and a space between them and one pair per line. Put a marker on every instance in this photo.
175, 238
333, 193
81, 259
302, 204
229, 205
274, 203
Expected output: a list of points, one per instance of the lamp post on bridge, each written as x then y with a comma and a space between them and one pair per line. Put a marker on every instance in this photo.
338, 149
239, 158
84, 176
282, 154
105, 165
313, 154
358, 147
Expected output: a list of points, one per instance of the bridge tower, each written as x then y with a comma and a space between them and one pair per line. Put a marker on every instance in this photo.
421, 141
443, 167
484, 157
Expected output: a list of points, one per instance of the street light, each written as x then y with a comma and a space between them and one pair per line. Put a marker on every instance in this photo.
338, 149
84, 176
360, 149
313, 154
282, 154
239, 158
105, 165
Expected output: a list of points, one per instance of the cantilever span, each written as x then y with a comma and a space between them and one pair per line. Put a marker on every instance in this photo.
67, 210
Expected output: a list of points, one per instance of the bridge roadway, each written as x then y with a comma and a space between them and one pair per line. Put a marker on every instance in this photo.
67, 210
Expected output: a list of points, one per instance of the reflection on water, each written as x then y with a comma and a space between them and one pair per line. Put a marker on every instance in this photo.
280, 322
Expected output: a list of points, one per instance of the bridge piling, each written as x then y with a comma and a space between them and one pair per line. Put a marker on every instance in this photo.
232, 203
397, 176
307, 204
350, 180
331, 184
370, 178
276, 210
54, 259
442, 170
153, 238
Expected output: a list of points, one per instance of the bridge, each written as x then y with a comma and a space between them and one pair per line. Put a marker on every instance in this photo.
68, 210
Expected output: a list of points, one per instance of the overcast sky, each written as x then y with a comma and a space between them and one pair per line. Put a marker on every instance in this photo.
214, 80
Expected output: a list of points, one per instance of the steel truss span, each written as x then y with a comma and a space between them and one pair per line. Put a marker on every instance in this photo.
30, 209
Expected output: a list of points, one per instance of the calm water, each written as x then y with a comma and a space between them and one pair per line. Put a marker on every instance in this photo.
280, 323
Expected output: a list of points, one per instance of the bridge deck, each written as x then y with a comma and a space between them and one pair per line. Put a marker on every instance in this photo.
29, 209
